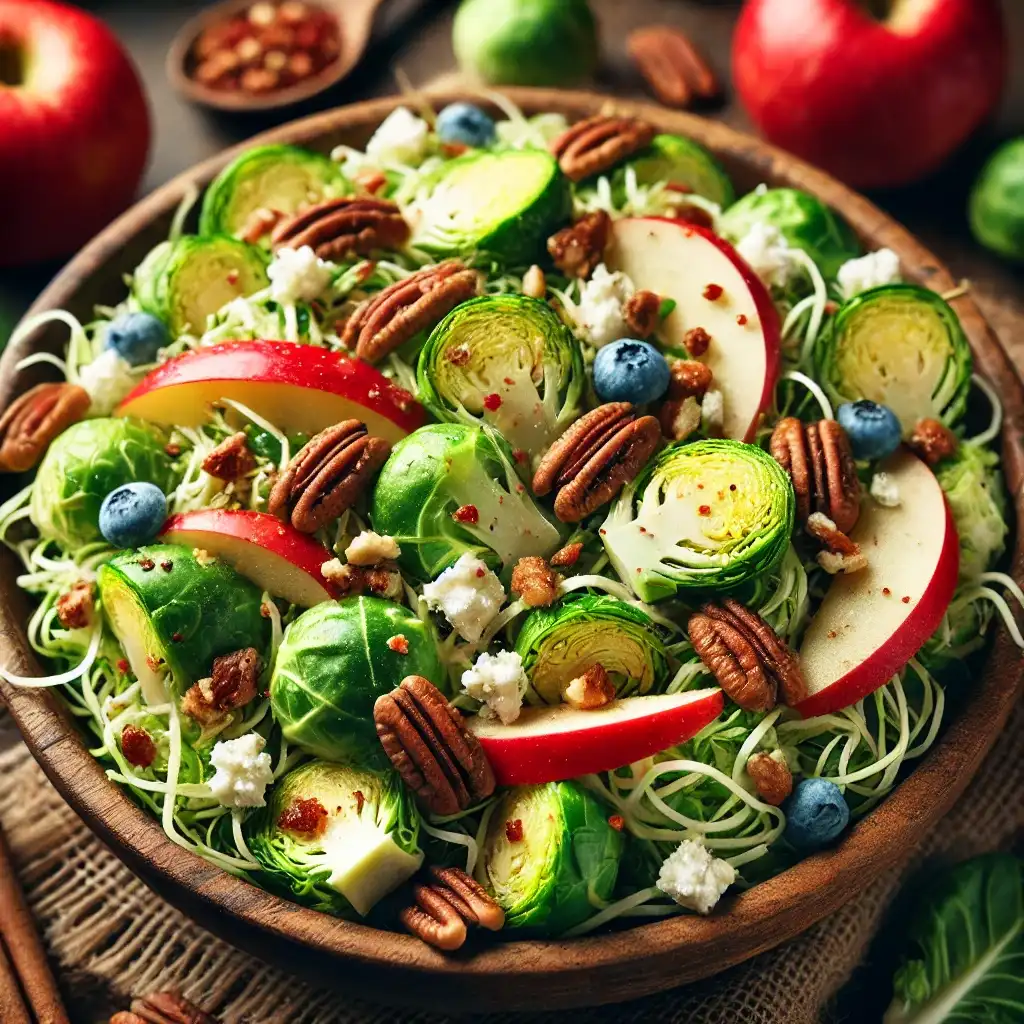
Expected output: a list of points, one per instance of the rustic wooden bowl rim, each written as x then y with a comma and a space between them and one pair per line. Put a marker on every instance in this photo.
533, 974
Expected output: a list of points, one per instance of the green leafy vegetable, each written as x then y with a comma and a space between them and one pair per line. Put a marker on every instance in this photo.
681, 162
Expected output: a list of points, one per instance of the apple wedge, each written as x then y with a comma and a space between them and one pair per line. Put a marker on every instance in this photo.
872, 622
299, 388
679, 261
271, 553
546, 744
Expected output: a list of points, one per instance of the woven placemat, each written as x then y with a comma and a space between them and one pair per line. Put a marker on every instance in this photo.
112, 938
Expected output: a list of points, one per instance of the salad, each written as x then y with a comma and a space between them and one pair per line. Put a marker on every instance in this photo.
507, 525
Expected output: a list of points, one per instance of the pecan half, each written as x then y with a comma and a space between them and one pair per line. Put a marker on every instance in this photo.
75, 606
342, 227
746, 656
34, 419
642, 313
579, 248
399, 312
430, 747
327, 475
595, 458
933, 441
535, 582
771, 776
446, 906
599, 143
593, 689
231, 459
819, 461
565, 557
672, 66
164, 1008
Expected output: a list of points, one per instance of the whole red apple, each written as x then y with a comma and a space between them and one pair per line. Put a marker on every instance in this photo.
74, 129
879, 92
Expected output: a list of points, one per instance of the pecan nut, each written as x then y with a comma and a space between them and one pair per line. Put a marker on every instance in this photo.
535, 582
819, 461
34, 419
568, 556
579, 248
933, 441
746, 656
338, 228
327, 475
164, 1008
399, 312
642, 313
430, 747
599, 143
771, 777
444, 908
672, 66
595, 458
231, 459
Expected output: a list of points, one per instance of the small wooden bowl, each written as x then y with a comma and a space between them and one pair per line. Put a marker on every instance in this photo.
529, 975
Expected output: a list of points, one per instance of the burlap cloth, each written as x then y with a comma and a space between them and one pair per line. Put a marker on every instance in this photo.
112, 938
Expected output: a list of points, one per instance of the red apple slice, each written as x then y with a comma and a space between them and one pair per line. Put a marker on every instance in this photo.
679, 261
872, 622
271, 553
299, 388
546, 744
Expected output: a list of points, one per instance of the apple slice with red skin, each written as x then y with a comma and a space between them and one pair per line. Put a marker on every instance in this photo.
298, 388
715, 289
872, 622
271, 553
547, 744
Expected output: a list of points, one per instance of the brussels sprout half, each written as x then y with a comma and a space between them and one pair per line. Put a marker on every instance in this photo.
445, 467
550, 857
506, 360
174, 609
558, 644
705, 516
505, 204
901, 346
335, 837
84, 464
187, 281
804, 221
279, 178
681, 161
334, 662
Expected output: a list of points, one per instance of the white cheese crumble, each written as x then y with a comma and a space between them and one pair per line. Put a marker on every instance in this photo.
370, 548
499, 682
694, 877
402, 138
108, 379
243, 771
468, 594
768, 253
870, 271
297, 275
885, 490
712, 413
599, 312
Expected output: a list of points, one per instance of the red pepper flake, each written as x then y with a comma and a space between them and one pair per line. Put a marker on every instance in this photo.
266, 692
265, 610
360, 801
514, 830
454, 148
831, 307
832, 634
520, 456
174, 450
306, 817
509, 381
713, 292
176, 638
167, 565
398, 644
458, 356
742, 319
704, 510
137, 746
905, 600
152, 663
492, 403
147, 564
467, 514
481, 573
122, 665
679, 186
886, 591
617, 822
233, 277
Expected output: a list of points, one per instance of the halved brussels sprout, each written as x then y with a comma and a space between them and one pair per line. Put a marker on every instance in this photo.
334, 662
335, 837
505, 204
84, 464
804, 221
174, 609
187, 281
279, 178
705, 516
977, 498
506, 360
449, 489
559, 643
550, 857
901, 346
681, 161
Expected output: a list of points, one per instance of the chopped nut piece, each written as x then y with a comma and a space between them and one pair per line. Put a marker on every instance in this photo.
231, 459
933, 441
385, 581
642, 313
577, 250
75, 606
689, 378
398, 643
535, 582
833, 562
593, 689
841, 554
679, 418
567, 556
534, 283
232, 685
370, 548
771, 776
696, 340
349, 579
261, 222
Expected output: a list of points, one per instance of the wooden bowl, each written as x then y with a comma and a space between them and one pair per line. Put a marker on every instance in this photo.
534, 974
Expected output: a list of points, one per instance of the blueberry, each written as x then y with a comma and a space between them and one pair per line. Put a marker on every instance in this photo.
630, 371
137, 337
815, 814
132, 514
465, 124
873, 429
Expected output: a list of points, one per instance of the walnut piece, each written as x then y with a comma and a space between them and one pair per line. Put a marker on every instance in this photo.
231, 459
75, 606
594, 689
349, 579
578, 249
642, 313
933, 441
231, 685
535, 582
841, 554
